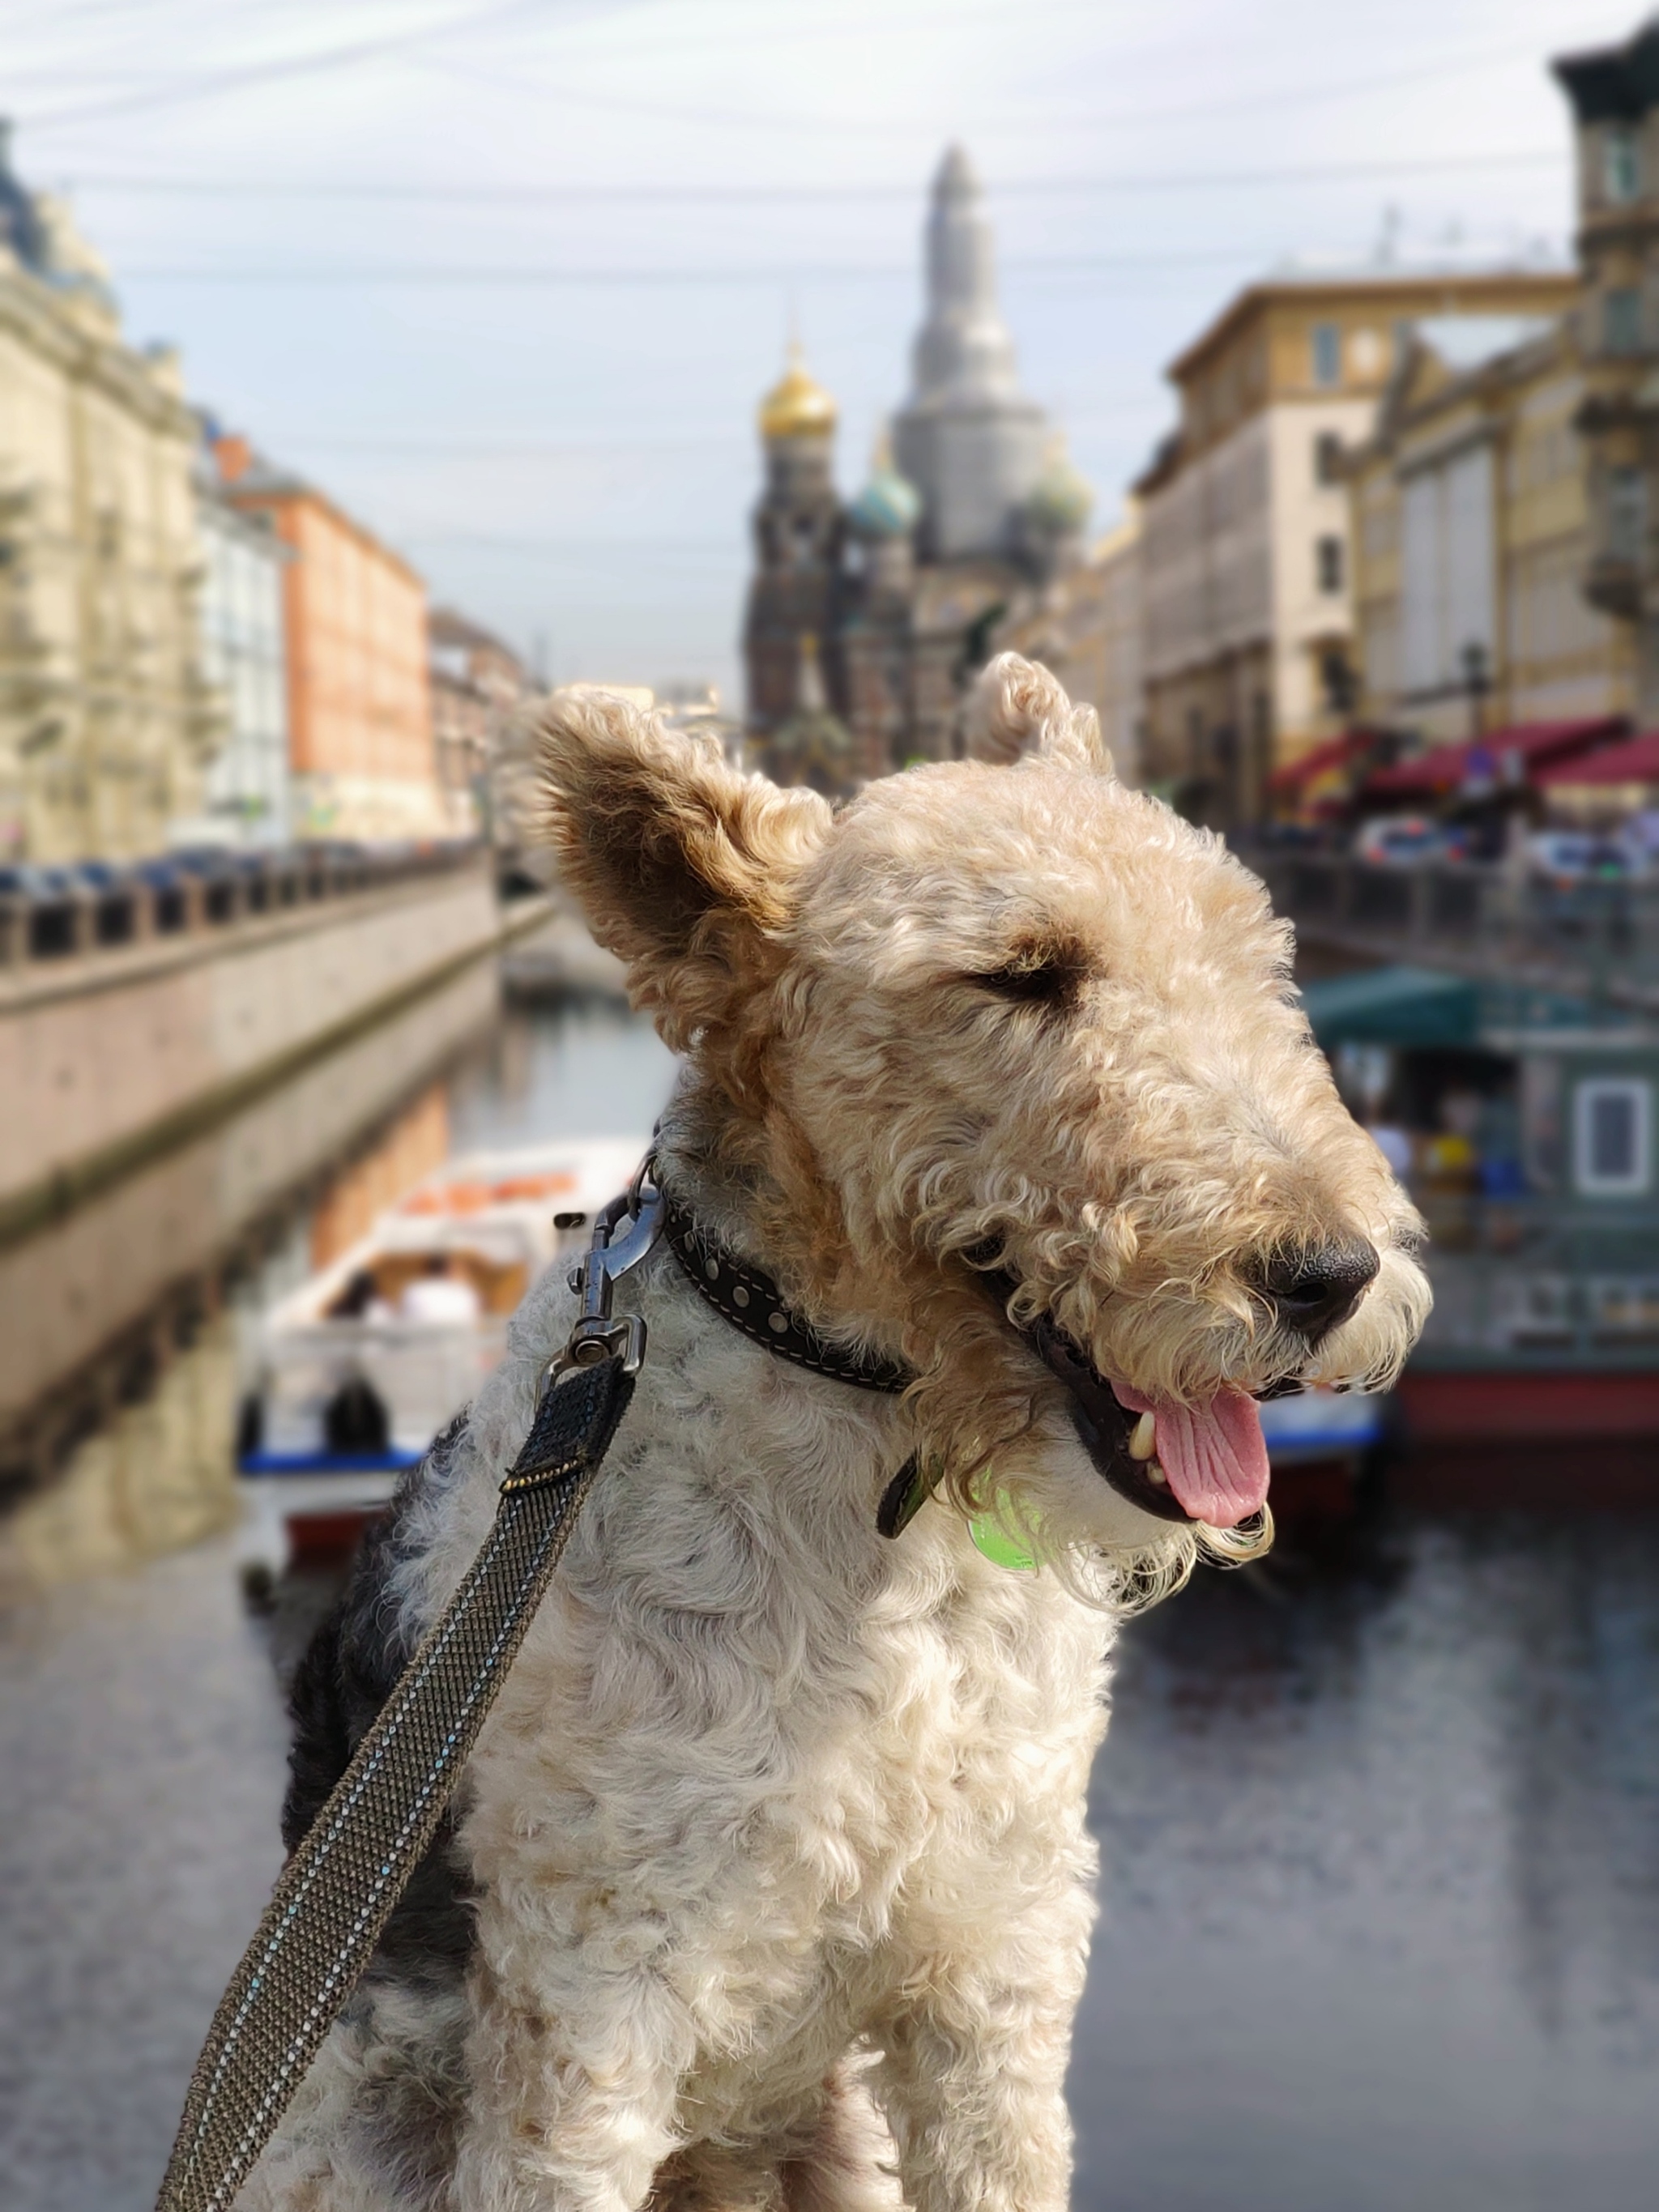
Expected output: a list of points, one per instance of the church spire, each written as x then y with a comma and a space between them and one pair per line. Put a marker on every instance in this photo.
963, 349
967, 438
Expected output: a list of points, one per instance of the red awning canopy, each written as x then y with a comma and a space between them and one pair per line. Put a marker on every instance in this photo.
1515, 755
1335, 752
1636, 760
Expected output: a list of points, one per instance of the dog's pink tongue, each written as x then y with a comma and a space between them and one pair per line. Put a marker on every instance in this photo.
1215, 1454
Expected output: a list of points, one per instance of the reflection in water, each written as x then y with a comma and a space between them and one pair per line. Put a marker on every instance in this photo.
1381, 1859
592, 1070
1381, 1884
104, 1287
157, 1476
416, 1143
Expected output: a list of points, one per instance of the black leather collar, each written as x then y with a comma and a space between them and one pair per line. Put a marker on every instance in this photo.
747, 1298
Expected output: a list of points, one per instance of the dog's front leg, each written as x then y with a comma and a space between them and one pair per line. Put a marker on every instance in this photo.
974, 2070
575, 2082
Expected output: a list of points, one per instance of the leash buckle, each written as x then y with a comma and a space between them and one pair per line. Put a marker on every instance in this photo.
599, 1334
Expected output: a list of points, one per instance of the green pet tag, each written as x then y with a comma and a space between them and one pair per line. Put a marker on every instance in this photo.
999, 1547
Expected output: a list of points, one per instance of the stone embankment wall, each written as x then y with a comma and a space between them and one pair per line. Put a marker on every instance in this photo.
108, 1056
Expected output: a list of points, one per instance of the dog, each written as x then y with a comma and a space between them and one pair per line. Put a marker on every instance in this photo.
769, 1888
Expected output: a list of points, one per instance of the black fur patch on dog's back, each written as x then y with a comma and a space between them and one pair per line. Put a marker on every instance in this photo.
347, 1673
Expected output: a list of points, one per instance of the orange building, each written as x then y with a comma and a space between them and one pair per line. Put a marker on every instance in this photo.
363, 760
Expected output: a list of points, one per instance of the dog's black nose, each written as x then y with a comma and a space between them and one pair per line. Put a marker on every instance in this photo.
1313, 1292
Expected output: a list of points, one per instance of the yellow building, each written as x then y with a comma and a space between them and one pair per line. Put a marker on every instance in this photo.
106, 722
1471, 533
1245, 559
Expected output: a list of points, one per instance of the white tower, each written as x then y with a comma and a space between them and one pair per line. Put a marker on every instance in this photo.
967, 438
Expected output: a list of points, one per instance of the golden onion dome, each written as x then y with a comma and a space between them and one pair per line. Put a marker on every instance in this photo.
796, 406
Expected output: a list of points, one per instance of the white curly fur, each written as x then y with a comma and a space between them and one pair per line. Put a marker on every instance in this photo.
778, 1825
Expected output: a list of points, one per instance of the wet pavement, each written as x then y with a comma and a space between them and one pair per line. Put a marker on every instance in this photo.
1381, 1833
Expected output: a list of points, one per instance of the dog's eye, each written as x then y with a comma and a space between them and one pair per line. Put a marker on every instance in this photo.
1047, 975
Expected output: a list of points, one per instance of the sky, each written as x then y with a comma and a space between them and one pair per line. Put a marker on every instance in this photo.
508, 277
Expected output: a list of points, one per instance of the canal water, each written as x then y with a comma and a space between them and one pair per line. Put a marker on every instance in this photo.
1380, 1827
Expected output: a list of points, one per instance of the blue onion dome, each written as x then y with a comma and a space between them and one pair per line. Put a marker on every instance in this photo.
1060, 499
890, 505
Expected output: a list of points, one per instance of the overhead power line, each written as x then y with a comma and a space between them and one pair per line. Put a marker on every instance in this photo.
208, 84
767, 195
602, 443
407, 45
1002, 123
469, 274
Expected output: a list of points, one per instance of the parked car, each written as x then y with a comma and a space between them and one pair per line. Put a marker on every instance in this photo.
28, 880
1406, 840
1564, 858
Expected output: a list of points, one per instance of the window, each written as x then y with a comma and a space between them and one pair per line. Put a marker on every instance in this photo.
1328, 458
1327, 563
1336, 681
1610, 1136
1621, 163
1327, 354
1621, 324
1627, 513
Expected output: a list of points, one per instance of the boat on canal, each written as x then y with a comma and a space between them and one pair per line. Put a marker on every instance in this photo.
370, 1358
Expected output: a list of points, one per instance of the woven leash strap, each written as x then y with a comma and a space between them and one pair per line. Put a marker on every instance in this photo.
337, 1891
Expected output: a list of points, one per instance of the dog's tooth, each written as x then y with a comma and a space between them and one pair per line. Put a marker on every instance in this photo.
1155, 1474
1143, 1441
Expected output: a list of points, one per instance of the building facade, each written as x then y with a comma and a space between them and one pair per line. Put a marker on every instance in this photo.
107, 720
1246, 556
876, 612
1614, 95
362, 759
1471, 534
245, 791
478, 685
797, 592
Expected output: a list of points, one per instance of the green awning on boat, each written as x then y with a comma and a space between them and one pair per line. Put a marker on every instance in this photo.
1397, 1005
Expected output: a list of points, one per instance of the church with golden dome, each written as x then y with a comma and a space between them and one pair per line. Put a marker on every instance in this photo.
867, 618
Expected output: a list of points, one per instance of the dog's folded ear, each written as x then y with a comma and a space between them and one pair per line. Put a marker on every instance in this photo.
684, 868
1018, 708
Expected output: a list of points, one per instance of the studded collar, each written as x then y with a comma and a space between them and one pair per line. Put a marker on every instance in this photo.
747, 1297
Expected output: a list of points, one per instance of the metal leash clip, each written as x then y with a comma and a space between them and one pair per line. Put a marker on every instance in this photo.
599, 1334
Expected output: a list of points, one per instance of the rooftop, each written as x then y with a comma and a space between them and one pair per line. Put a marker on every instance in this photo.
1614, 85
1543, 287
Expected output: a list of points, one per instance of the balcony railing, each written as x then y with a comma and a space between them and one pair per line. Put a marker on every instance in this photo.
1600, 936
1542, 1280
52, 915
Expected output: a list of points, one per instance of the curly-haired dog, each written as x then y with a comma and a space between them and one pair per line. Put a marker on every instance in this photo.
770, 1882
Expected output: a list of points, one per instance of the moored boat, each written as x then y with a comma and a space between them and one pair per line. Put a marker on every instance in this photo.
363, 1365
